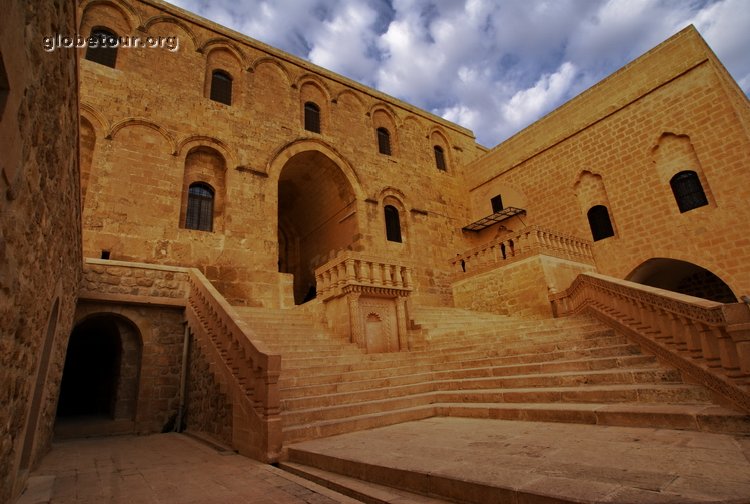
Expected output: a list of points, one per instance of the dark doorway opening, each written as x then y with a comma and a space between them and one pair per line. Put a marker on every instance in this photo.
317, 218
92, 369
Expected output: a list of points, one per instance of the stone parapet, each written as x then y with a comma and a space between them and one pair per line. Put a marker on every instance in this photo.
353, 272
139, 283
531, 240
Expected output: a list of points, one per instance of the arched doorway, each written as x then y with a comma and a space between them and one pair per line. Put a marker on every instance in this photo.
683, 277
317, 217
100, 377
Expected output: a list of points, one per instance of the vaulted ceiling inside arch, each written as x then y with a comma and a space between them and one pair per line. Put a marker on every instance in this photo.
312, 192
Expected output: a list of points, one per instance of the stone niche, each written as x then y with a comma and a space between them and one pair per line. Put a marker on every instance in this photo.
365, 301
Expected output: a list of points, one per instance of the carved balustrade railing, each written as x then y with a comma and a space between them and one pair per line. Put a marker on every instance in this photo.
250, 371
707, 340
351, 271
531, 240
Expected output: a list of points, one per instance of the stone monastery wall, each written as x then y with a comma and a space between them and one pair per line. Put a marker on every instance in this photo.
619, 144
149, 130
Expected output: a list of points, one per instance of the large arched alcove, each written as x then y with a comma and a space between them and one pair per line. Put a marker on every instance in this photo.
102, 366
317, 217
683, 277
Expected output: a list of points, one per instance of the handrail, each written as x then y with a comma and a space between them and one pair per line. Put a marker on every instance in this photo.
529, 241
251, 371
707, 340
354, 270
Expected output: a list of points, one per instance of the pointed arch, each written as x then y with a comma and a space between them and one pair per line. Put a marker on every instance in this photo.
134, 121
95, 117
349, 92
315, 81
164, 18
217, 43
268, 60
130, 15
385, 109
191, 142
285, 153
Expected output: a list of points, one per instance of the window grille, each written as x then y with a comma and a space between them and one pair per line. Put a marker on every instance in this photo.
102, 47
200, 207
688, 191
221, 87
384, 141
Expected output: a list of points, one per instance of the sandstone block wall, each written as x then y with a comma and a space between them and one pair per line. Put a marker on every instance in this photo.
158, 337
40, 230
207, 407
520, 288
143, 120
618, 144
112, 278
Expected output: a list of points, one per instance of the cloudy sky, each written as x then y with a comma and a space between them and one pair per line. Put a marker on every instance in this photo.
493, 66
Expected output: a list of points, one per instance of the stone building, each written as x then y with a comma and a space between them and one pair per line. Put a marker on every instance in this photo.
236, 200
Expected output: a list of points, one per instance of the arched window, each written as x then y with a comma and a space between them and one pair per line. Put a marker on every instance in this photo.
312, 117
384, 141
601, 225
102, 47
200, 207
497, 203
440, 158
392, 224
221, 87
688, 191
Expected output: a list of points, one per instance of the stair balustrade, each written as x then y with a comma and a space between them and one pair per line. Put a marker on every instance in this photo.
706, 340
249, 370
243, 366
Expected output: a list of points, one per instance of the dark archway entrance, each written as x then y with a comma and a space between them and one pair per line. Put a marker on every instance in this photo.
317, 217
683, 277
100, 377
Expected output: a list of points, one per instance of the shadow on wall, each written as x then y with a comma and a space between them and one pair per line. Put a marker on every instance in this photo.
682, 277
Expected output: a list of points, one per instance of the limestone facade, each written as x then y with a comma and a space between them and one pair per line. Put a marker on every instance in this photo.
40, 248
281, 181
290, 195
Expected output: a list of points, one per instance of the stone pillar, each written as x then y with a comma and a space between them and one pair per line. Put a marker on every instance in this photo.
403, 335
355, 321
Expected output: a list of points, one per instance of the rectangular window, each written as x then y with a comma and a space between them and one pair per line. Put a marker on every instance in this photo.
497, 203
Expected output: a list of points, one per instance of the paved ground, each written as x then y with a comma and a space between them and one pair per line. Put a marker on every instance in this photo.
579, 462
164, 468
583, 462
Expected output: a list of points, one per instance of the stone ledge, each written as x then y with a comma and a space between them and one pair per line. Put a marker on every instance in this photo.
132, 299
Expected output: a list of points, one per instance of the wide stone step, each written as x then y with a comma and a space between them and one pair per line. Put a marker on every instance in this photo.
464, 354
565, 379
517, 339
319, 429
347, 411
348, 392
356, 396
346, 383
306, 368
363, 491
406, 373
552, 366
696, 417
647, 393
482, 461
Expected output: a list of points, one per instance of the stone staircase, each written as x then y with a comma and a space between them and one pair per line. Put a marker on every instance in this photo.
574, 371
470, 364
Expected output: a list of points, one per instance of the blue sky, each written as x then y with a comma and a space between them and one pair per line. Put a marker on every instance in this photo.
494, 66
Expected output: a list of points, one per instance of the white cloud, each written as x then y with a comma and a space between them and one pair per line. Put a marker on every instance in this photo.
528, 104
